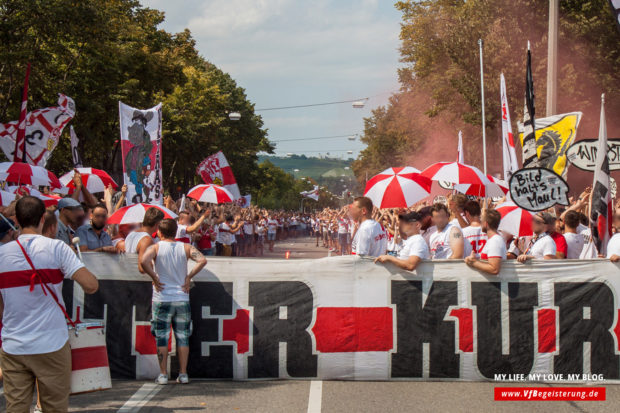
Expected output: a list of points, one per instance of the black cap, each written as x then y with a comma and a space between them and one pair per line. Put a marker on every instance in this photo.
410, 217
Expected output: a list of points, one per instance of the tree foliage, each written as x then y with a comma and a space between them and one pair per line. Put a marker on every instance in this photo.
440, 80
102, 51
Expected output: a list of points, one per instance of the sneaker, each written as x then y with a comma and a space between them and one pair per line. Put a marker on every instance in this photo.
183, 379
37, 409
162, 379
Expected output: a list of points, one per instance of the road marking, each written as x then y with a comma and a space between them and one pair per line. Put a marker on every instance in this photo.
314, 398
141, 397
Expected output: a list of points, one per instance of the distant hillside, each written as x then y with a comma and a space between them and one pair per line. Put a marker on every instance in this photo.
316, 168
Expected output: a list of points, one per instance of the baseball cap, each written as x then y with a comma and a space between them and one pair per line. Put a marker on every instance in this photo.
68, 202
412, 216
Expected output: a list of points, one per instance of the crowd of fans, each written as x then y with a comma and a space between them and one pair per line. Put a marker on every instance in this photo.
460, 227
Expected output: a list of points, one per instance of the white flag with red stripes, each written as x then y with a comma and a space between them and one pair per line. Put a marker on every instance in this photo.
43, 130
511, 165
216, 170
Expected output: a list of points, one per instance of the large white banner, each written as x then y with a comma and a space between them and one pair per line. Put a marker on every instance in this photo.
348, 318
141, 149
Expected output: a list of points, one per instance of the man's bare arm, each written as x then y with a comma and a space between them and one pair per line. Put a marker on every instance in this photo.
457, 244
196, 256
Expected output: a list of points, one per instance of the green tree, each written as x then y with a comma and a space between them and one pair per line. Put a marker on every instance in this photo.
440, 79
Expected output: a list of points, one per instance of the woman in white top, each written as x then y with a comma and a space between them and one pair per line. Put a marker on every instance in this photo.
542, 245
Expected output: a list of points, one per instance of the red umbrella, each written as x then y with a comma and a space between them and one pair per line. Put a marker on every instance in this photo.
26, 174
456, 173
515, 220
135, 213
214, 194
397, 188
95, 180
495, 188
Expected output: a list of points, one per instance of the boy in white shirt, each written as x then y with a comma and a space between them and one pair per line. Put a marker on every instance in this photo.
542, 245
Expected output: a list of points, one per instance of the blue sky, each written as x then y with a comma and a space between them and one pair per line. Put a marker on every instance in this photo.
292, 52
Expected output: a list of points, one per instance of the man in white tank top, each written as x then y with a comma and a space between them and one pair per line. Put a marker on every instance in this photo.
447, 241
139, 240
171, 284
473, 236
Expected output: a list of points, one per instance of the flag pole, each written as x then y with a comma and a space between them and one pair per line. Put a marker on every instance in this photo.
21, 125
484, 134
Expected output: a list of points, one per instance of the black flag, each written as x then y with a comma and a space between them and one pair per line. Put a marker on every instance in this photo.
530, 159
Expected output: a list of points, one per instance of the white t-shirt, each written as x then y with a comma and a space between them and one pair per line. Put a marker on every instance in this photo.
426, 234
440, 243
474, 240
613, 246
32, 321
574, 244
132, 240
414, 245
543, 245
343, 226
494, 248
248, 228
226, 237
272, 226
589, 250
369, 239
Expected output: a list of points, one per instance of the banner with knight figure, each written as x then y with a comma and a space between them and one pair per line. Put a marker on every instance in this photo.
141, 149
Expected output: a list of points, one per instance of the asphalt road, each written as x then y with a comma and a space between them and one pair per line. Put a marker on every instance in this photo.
316, 396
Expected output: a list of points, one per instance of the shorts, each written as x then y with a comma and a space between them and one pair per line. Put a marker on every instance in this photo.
271, 236
208, 251
240, 240
342, 239
177, 314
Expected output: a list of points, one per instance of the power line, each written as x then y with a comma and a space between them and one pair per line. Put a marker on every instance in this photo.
314, 138
310, 105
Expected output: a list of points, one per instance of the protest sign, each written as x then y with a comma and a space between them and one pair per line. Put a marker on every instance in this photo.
348, 318
536, 189
582, 154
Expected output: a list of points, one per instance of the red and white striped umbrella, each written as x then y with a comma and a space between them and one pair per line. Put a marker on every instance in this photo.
397, 187
495, 188
214, 194
456, 173
49, 200
133, 214
26, 174
6, 198
95, 180
515, 220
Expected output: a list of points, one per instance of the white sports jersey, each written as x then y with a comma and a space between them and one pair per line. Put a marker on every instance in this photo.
132, 240
474, 240
440, 243
494, 248
613, 246
272, 226
32, 321
171, 267
574, 244
248, 229
369, 239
